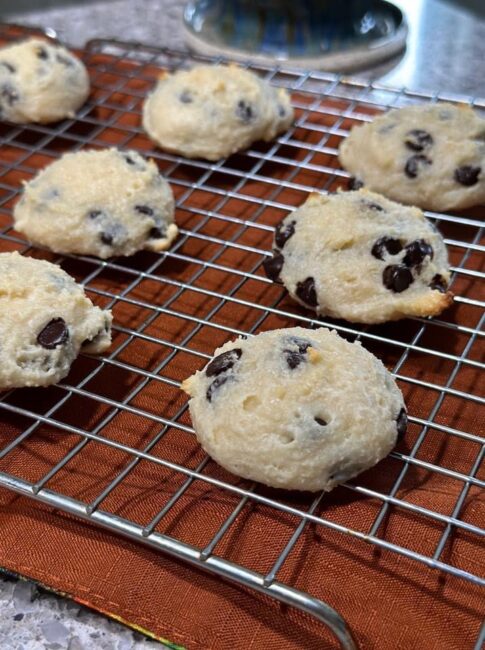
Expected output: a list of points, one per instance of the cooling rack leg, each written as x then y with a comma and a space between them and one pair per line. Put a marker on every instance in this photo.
213, 564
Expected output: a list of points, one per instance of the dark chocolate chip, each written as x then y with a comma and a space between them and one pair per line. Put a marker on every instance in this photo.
216, 384
273, 266
467, 175
295, 357
94, 214
9, 94
144, 209
223, 362
186, 97
321, 422
397, 277
283, 232
107, 238
156, 233
401, 423
416, 251
384, 245
438, 283
18, 617
129, 160
373, 206
355, 183
53, 334
42, 53
281, 110
417, 139
65, 60
411, 169
244, 111
306, 292
8, 66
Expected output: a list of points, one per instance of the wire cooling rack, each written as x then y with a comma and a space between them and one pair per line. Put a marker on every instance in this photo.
172, 309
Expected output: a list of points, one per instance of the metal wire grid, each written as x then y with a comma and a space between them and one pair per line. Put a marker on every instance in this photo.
318, 94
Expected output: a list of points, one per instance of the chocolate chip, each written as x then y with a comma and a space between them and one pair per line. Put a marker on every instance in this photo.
156, 233
18, 617
295, 357
129, 160
401, 423
355, 183
438, 283
411, 169
384, 245
68, 62
306, 292
397, 277
107, 238
321, 422
8, 66
186, 97
144, 209
244, 111
373, 206
9, 94
223, 362
53, 334
42, 53
417, 139
94, 214
217, 383
416, 251
281, 110
467, 175
273, 266
283, 232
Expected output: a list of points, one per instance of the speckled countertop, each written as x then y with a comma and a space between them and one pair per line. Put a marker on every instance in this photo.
446, 47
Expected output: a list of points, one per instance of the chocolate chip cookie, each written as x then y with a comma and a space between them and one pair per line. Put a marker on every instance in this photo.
432, 156
296, 409
101, 203
40, 82
45, 320
358, 256
213, 111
